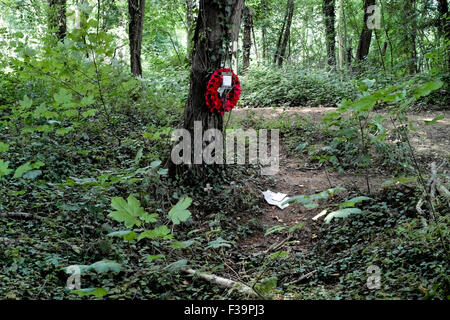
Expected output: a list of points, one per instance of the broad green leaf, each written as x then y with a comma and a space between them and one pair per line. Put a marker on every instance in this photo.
161, 232
63, 96
274, 229
4, 170
296, 227
106, 266
182, 244
352, 202
435, 120
4, 147
26, 103
156, 257
343, 213
427, 88
27, 167
279, 255
127, 235
176, 266
128, 213
97, 292
179, 212
267, 285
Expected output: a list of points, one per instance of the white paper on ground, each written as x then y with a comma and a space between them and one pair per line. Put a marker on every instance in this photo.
276, 199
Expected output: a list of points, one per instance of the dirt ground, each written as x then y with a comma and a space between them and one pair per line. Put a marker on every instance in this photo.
297, 177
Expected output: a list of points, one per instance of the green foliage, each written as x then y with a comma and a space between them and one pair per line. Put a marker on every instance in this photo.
292, 87
179, 212
131, 213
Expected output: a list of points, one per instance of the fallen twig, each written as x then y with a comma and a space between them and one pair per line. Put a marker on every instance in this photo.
21, 215
222, 281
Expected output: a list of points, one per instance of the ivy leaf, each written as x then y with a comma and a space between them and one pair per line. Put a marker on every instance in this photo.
128, 213
32, 175
219, 243
179, 212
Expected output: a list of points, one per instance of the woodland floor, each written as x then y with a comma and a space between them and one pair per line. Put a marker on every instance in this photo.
298, 177
41, 251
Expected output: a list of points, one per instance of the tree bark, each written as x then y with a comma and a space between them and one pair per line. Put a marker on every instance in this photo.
217, 28
189, 27
330, 31
444, 25
287, 32
136, 10
366, 34
264, 30
247, 40
57, 18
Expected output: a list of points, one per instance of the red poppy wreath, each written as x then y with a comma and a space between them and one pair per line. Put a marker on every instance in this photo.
225, 101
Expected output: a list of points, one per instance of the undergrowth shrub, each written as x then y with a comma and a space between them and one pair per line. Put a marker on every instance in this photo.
268, 86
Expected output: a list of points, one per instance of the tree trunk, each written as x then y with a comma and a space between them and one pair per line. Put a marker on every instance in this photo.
217, 27
264, 30
247, 40
287, 32
330, 31
189, 27
366, 34
136, 10
444, 25
57, 18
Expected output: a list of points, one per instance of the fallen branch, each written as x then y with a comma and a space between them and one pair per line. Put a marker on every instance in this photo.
222, 281
20, 215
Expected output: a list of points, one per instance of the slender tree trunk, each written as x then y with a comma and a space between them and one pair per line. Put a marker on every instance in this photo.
366, 34
210, 53
264, 29
136, 10
330, 31
280, 38
189, 27
57, 18
444, 25
287, 32
247, 40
